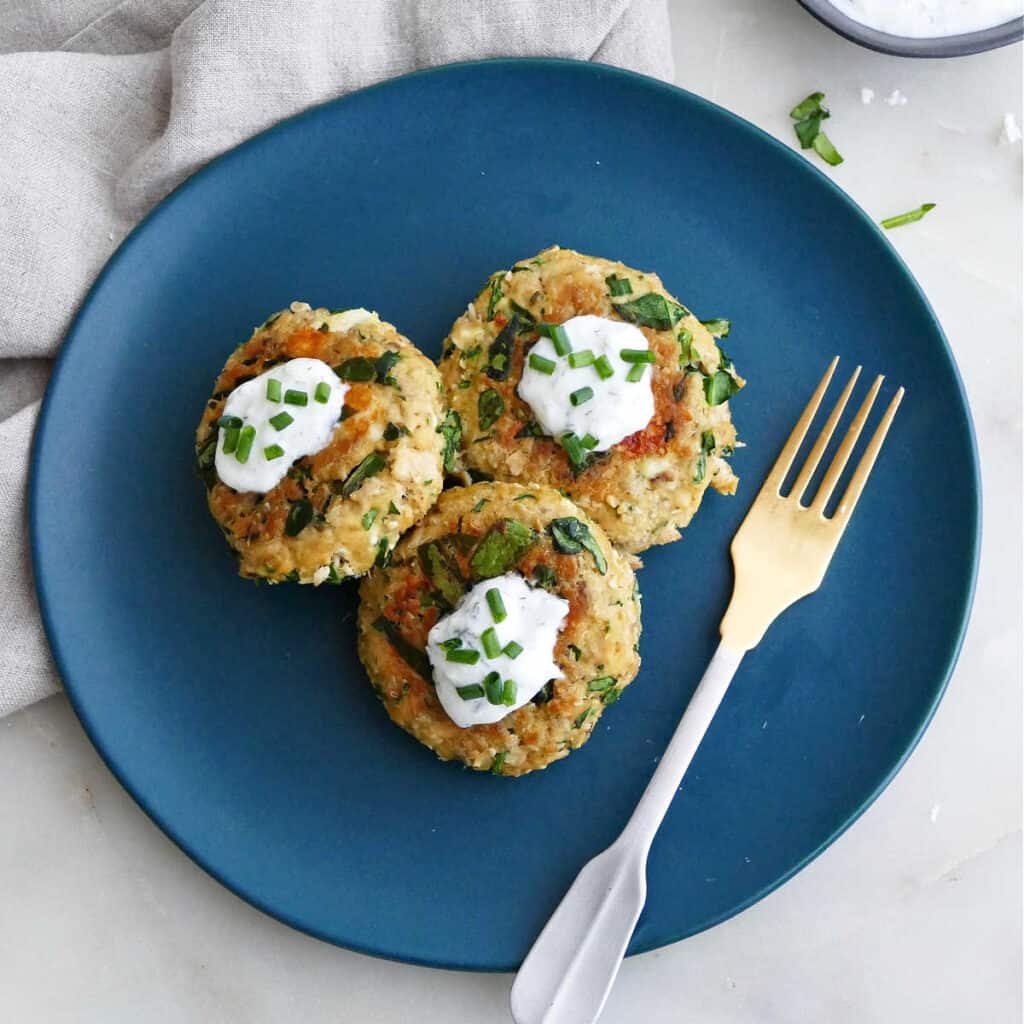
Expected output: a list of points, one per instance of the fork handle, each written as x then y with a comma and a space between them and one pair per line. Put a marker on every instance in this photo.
569, 971
665, 782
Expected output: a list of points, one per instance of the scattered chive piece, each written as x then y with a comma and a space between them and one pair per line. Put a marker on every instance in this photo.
245, 440
496, 604
231, 439
579, 359
294, 397
603, 367
541, 364
281, 420
636, 372
272, 451
807, 107
581, 395
907, 218
450, 644
636, 355
464, 656
226, 422
368, 518
556, 332
512, 649
493, 687
471, 692
273, 390
600, 684
824, 148
392, 509
508, 693
322, 392
499, 759
490, 643
571, 443
589, 442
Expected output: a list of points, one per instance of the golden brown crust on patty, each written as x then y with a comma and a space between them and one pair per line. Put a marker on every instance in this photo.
596, 651
647, 487
396, 414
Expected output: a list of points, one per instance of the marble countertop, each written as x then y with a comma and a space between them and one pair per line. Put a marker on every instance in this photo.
913, 915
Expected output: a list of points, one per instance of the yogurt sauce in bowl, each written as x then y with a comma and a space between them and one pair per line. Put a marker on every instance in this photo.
930, 19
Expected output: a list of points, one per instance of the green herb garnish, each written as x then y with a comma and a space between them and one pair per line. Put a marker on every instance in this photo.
231, 436
559, 337
497, 605
502, 547
651, 310
359, 368
273, 390
581, 395
451, 430
322, 392
907, 218
570, 536
499, 357
499, 759
545, 576
281, 420
824, 148
368, 518
636, 372
412, 656
272, 451
808, 115
472, 692
576, 452
707, 446
577, 360
227, 422
462, 656
540, 364
718, 328
295, 397
300, 515
601, 684
719, 387
618, 285
581, 718
370, 466
493, 687
508, 693
512, 649
637, 355
245, 442
391, 432
604, 367
490, 643
489, 407
685, 339
442, 572
495, 294
589, 442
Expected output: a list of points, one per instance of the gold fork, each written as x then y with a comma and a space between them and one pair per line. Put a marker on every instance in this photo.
780, 553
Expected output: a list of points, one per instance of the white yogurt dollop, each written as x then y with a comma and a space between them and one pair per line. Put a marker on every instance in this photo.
297, 430
533, 619
930, 19
618, 408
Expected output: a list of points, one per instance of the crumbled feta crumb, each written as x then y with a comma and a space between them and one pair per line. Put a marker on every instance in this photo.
896, 99
1010, 132
866, 95
321, 575
508, 276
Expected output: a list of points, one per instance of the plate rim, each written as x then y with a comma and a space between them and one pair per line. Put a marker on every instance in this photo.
586, 68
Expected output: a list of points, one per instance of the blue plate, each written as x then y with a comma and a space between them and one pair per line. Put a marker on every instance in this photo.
239, 716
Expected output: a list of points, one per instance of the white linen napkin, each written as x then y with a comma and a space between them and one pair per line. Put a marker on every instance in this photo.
105, 106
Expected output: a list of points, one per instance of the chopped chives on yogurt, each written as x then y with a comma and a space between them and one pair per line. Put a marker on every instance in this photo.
636, 373
490, 643
512, 649
636, 355
322, 392
281, 420
497, 605
273, 390
245, 440
493, 688
508, 692
589, 442
226, 422
559, 339
906, 218
230, 440
581, 395
272, 451
472, 692
295, 397
577, 360
463, 656
604, 367
542, 365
